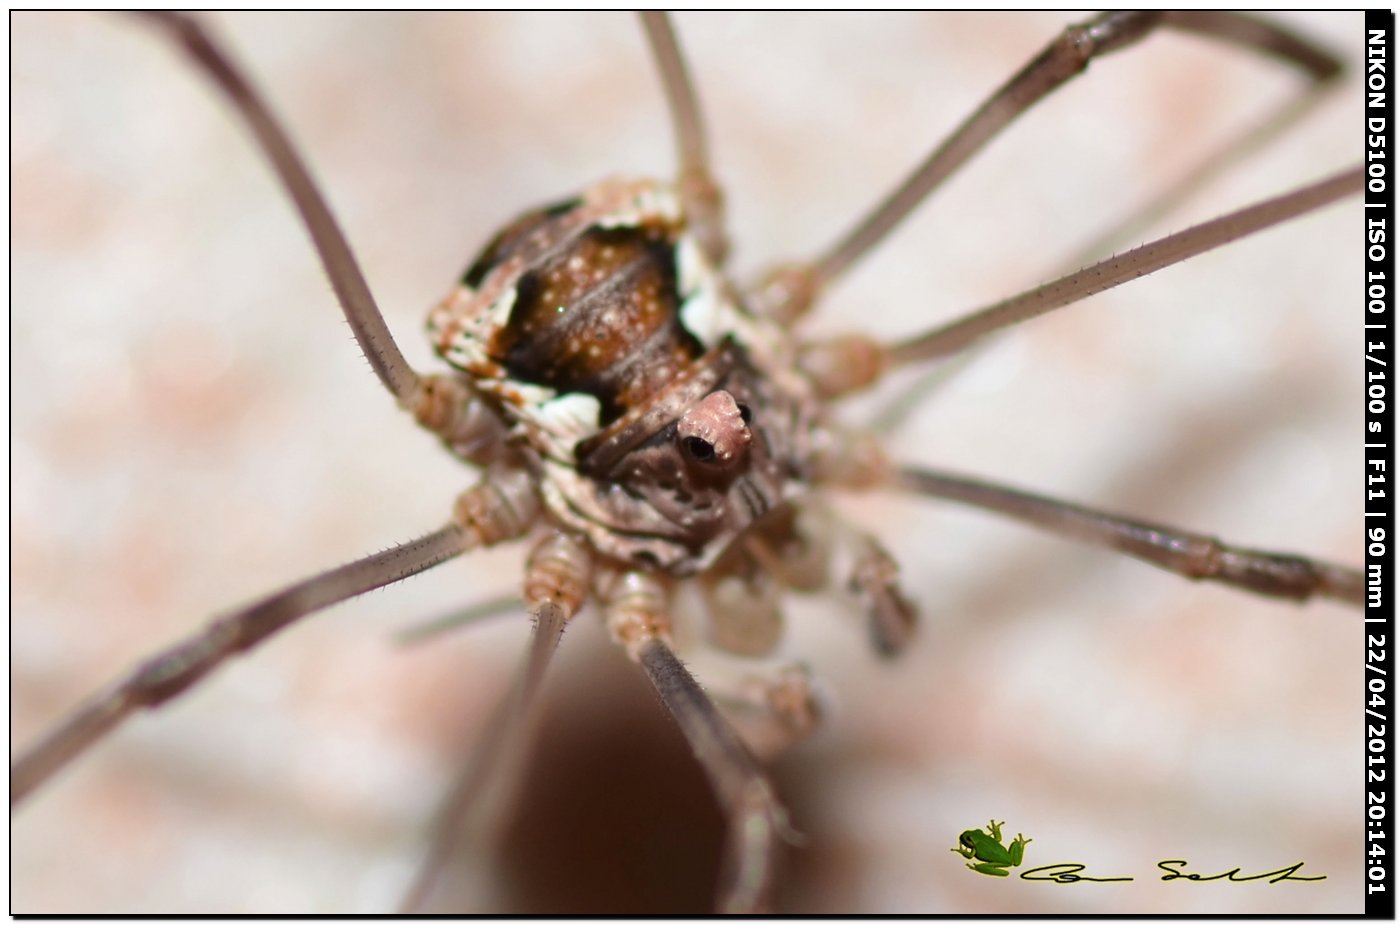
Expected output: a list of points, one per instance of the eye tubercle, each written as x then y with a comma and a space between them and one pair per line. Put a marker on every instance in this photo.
715, 431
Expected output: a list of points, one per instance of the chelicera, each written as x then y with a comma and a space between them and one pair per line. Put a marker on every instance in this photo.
706, 440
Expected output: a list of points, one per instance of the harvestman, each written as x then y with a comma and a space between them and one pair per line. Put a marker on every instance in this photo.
1329, 580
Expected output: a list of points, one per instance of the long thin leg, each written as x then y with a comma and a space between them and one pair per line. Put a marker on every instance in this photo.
756, 819
853, 362
498, 508
1256, 137
691, 147
1132, 227
1149, 258
556, 586
636, 611
349, 284
435, 627
497, 757
172, 671
1194, 555
703, 200
793, 287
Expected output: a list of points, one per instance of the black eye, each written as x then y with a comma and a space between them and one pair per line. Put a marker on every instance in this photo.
699, 450
745, 414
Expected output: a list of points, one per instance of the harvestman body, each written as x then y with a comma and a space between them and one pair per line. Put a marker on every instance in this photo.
730, 422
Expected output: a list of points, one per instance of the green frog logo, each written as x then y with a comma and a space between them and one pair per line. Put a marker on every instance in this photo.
985, 852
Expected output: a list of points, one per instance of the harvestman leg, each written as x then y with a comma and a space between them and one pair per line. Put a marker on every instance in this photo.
440, 403
636, 607
170, 673
960, 334
704, 201
1194, 555
557, 573
459, 617
501, 507
790, 289
351, 290
1252, 139
853, 362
